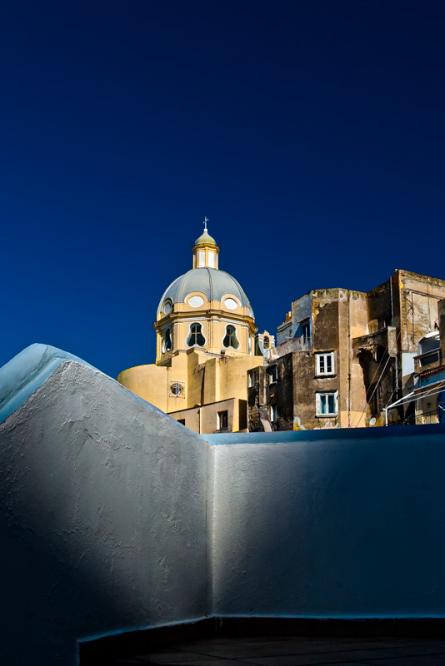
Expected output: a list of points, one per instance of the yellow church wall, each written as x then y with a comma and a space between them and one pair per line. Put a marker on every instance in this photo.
191, 418
186, 379
147, 381
212, 381
233, 378
194, 378
205, 419
177, 373
209, 416
204, 379
214, 330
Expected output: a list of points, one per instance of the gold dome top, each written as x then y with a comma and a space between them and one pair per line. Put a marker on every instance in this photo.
205, 238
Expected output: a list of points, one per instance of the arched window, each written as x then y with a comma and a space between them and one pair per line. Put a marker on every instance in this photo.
230, 339
167, 342
266, 342
196, 337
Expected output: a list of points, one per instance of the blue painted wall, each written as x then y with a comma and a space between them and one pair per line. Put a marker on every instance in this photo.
330, 524
115, 517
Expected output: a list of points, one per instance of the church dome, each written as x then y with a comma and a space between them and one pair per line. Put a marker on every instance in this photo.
205, 239
213, 283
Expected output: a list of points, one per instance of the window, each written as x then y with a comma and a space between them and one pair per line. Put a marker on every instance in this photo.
196, 337
223, 420
195, 301
250, 379
230, 339
177, 389
273, 413
326, 404
273, 374
168, 306
230, 303
181, 421
167, 341
266, 342
325, 364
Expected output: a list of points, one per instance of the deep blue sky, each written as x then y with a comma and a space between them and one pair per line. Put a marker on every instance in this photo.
312, 134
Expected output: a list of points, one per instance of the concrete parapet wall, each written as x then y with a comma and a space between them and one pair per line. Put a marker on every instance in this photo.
340, 524
103, 517
114, 517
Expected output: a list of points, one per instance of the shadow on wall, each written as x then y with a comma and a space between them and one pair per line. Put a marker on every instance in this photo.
45, 590
106, 505
103, 518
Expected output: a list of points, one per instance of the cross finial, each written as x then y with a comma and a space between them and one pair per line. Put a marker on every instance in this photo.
206, 219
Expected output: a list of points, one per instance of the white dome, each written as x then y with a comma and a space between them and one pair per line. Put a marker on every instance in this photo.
214, 284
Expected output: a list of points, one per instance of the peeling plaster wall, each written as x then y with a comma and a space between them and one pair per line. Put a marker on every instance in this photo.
346, 523
419, 297
103, 518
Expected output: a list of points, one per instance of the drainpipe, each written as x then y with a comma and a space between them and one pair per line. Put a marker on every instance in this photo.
396, 360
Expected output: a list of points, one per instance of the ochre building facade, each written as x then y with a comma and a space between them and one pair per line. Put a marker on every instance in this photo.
205, 346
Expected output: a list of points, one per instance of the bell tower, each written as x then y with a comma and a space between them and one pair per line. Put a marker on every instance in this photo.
205, 250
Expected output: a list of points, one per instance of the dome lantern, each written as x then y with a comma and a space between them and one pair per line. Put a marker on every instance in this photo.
205, 250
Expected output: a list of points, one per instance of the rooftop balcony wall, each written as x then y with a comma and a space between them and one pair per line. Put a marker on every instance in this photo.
114, 518
335, 524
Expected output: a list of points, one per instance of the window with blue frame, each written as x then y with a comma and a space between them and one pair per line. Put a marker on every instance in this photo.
326, 403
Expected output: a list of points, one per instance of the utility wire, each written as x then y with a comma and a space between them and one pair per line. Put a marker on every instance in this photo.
419, 396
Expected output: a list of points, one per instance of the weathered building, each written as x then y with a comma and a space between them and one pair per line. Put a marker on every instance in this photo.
314, 371
427, 399
343, 356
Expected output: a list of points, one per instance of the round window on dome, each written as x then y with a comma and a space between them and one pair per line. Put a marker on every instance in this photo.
195, 301
167, 306
230, 303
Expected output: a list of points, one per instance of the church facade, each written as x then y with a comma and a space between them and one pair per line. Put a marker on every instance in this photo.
205, 346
